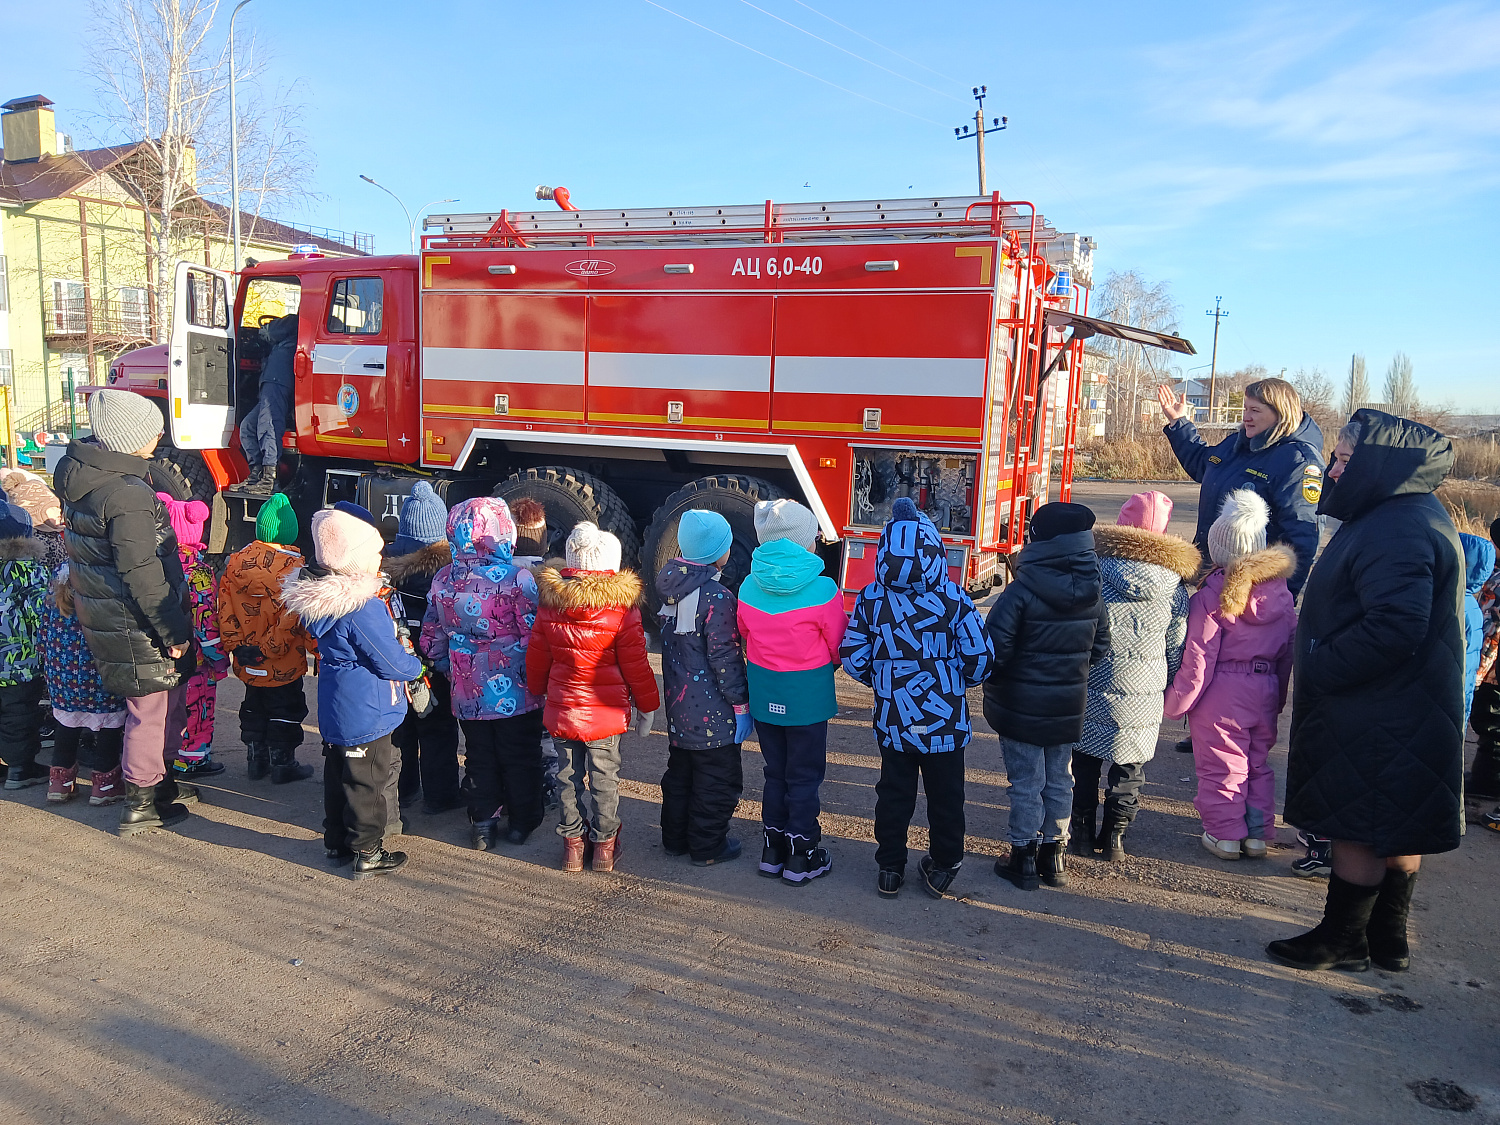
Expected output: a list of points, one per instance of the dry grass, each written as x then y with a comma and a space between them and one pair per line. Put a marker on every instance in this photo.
1474, 505
1476, 458
1148, 458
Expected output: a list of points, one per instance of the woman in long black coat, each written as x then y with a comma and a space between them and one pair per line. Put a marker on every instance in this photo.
1376, 759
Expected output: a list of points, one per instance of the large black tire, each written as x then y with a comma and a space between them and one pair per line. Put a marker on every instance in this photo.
187, 468
571, 497
734, 498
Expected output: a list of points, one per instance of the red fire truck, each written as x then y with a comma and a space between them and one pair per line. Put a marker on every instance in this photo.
623, 366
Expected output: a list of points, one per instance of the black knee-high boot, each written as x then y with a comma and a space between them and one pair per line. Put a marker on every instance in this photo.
1338, 941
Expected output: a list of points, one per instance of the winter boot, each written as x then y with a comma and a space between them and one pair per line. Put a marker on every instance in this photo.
286, 768
141, 812
1319, 857
1020, 867
572, 853
482, 833
24, 777
606, 852
1112, 843
262, 481
257, 760
62, 783
1049, 864
378, 862
107, 788
806, 862
773, 854
730, 850
1386, 932
1081, 832
889, 881
192, 771
1338, 941
171, 791
936, 880
1483, 780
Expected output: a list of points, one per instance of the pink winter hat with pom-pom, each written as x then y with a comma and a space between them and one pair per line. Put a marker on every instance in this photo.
346, 544
1150, 511
188, 518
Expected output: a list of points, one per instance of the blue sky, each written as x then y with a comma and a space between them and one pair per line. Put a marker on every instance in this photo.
1331, 170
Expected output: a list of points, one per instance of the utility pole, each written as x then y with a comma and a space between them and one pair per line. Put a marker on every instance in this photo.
979, 131
1213, 368
234, 146
1353, 405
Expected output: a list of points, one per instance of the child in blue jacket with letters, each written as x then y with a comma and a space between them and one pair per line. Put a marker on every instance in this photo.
362, 686
918, 641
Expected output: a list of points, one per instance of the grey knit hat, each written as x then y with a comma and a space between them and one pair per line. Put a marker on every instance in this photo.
123, 421
424, 517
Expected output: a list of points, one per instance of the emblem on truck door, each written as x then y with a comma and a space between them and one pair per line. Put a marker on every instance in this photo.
590, 268
348, 400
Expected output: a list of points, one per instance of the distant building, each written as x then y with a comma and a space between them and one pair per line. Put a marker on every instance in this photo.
77, 265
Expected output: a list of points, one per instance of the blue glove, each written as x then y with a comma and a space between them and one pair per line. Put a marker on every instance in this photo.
744, 727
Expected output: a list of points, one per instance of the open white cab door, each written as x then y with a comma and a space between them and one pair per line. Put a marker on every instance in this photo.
200, 376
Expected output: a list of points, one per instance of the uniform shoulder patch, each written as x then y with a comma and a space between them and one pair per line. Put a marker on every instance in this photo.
1215, 460
1312, 483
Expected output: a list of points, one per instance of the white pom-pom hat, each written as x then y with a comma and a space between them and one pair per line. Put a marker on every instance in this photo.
1240, 529
589, 548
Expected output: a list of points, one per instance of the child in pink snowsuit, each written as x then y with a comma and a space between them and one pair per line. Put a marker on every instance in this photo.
193, 761
1233, 680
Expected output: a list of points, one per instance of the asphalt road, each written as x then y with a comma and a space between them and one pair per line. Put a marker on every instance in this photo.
223, 974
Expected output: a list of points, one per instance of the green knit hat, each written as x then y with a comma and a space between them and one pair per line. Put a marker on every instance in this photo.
277, 523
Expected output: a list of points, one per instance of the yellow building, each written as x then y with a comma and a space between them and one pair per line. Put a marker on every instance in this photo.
78, 258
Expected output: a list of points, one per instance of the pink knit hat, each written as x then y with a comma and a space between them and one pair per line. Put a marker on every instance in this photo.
346, 544
188, 518
1151, 511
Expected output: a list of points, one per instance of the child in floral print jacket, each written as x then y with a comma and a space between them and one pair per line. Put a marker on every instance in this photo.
23, 588
79, 704
188, 518
480, 610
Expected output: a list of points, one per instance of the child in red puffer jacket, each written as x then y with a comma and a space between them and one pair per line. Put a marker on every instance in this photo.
587, 656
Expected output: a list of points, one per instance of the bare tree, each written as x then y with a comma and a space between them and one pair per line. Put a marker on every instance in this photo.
1127, 298
1400, 386
1318, 398
162, 75
1357, 390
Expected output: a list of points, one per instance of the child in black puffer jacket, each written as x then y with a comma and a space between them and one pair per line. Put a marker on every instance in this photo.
1049, 625
706, 695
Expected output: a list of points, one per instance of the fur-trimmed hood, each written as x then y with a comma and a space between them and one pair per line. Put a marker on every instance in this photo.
21, 550
568, 590
1237, 598
327, 597
1137, 544
423, 563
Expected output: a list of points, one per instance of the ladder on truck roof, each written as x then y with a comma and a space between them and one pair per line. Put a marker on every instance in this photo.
768, 222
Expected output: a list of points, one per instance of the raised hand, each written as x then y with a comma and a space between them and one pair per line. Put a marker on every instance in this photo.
1171, 405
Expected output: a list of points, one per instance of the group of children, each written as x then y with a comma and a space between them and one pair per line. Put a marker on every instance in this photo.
464, 624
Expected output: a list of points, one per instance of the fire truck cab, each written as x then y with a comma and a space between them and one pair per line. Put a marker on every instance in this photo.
623, 366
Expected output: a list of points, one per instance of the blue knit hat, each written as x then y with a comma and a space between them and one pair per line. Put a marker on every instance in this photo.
703, 537
424, 520
14, 522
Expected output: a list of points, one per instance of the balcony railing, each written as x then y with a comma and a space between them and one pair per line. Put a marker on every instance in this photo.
106, 320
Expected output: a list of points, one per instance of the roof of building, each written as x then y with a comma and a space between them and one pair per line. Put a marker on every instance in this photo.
264, 230
51, 176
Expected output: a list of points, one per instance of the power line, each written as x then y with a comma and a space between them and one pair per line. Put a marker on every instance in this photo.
848, 52
882, 46
789, 66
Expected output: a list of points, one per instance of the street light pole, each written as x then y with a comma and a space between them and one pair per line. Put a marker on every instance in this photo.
411, 223
234, 145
